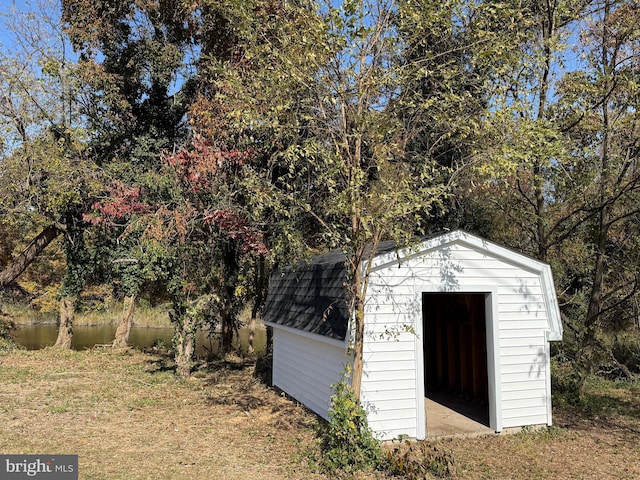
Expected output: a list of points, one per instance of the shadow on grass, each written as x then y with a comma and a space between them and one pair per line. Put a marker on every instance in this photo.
609, 406
240, 382
161, 360
231, 382
606, 404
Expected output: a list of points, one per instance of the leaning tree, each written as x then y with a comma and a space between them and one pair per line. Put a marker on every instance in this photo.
47, 176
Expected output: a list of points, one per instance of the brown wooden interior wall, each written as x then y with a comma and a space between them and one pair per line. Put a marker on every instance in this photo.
455, 349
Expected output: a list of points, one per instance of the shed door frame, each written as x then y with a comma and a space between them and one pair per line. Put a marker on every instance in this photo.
493, 352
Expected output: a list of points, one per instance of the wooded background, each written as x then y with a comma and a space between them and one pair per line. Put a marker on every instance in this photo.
180, 150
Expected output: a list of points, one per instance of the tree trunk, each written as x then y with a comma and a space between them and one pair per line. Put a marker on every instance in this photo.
358, 331
124, 329
548, 32
358, 364
252, 334
227, 330
22, 261
269, 347
259, 285
65, 331
185, 343
586, 355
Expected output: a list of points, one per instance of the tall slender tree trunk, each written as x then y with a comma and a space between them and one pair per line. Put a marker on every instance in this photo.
358, 330
269, 346
227, 331
586, 355
185, 343
65, 331
121, 338
252, 335
359, 293
358, 343
548, 31
259, 286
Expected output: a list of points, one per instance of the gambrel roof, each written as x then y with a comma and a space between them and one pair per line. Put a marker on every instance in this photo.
311, 296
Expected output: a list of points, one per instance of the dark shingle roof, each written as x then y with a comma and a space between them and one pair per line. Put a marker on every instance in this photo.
311, 296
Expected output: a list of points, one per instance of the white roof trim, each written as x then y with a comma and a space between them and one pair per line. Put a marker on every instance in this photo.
310, 335
458, 237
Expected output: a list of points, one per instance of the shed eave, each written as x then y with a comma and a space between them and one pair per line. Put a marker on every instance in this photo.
551, 303
314, 336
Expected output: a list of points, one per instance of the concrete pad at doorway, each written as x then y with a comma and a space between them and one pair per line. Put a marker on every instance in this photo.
448, 416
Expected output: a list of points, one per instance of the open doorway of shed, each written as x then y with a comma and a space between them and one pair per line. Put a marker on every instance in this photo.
455, 363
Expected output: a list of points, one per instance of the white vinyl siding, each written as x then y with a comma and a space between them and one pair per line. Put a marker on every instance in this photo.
521, 321
524, 378
389, 379
306, 368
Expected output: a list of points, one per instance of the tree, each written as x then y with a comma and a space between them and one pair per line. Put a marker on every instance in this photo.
172, 200
336, 101
137, 65
229, 113
120, 262
19, 102
78, 269
561, 168
528, 149
215, 201
47, 178
603, 96
136, 60
460, 57
19, 264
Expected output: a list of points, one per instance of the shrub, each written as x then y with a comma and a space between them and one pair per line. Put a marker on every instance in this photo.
565, 383
264, 369
7, 326
348, 444
626, 349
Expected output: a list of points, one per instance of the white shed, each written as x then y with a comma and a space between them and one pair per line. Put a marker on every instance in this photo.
452, 313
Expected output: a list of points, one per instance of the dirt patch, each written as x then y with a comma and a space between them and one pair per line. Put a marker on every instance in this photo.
127, 417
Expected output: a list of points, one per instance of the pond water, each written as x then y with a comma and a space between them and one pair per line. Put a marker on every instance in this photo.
34, 337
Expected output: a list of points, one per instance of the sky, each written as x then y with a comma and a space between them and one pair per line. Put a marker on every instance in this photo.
9, 7
20, 60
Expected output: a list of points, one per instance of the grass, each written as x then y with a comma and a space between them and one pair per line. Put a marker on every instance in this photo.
144, 316
127, 417
596, 439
